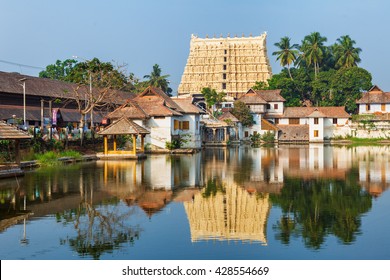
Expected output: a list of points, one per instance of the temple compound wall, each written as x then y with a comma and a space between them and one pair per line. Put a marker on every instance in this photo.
231, 65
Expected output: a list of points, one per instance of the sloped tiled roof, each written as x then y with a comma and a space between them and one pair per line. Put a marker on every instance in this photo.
155, 102
123, 126
9, 132
272, 95
228, 116
303, 112
186, 105
130, 110
34, 113
374, 96
212, 123
252, 98
10, 83
150, 94
266, 125
157, 107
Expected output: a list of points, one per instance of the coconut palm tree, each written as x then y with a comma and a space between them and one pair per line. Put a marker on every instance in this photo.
286, 54
313, 50
156, 80
346, 54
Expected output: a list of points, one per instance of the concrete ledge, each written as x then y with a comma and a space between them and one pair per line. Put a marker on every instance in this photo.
8, 171
103, 156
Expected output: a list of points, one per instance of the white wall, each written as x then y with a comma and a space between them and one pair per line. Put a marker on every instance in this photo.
376, 107
272, 109
316, 127
193, 133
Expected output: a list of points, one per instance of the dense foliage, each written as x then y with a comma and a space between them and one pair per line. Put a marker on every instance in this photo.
104, 74
323, 75
242, 113
212, 97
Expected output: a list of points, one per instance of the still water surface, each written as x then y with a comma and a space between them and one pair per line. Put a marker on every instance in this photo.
305, 202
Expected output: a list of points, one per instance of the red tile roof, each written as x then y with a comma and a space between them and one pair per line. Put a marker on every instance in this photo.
10, 83
9, 132
304, 112
186, 105
130, 110
123, 126
374, 96
271, 95
228, 116
252, 98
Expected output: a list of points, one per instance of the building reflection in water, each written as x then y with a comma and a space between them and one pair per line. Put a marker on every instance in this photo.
227, 192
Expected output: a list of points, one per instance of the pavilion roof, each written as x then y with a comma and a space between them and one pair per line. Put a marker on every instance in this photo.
9, 132
123, 126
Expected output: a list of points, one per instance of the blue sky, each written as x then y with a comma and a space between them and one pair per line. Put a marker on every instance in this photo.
142, 33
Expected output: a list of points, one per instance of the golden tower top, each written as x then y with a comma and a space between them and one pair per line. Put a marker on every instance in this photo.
231, 64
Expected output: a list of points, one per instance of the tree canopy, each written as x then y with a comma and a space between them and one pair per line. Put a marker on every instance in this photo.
242, 113
212, 97
322, 75
156, 80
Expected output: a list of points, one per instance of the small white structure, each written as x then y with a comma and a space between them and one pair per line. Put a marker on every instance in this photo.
374, 101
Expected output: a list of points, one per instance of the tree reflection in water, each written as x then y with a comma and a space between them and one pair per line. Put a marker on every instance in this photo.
99, 229
317, 208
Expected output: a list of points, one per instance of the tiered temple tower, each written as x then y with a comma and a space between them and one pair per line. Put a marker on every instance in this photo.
231, 65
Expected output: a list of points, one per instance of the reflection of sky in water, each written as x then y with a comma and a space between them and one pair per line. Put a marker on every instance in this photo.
219, 204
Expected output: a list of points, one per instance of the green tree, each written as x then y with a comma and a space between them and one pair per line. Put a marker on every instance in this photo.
156, 80
97, 84
313, 51
212, 97
347, 86
99, 74
294, 91
242, 113
260, 86
321, 89
287, 53
346, 55
60, 70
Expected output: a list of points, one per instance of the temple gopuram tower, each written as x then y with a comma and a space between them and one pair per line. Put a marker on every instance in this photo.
231, 65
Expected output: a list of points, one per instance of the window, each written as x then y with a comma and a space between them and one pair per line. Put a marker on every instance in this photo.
225, 59
293, 121
276, 106
224, 67
223, 85
224, 76
315, 120
383, 107
334, 120
276, 121
246, 134
315, 133
176, 124
185, 125
225, 51
268, 106
368, 107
